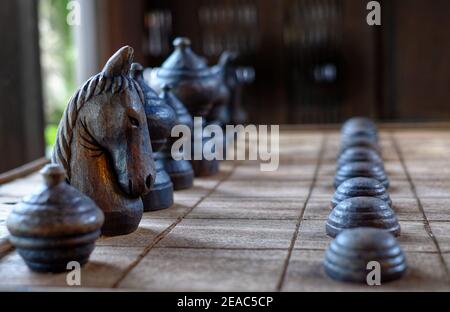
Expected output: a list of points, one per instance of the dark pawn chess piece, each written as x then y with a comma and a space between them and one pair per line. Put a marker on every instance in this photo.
359, 154
347, 256
360, 187
362, 211
360, 142
55, 225
160, 119
360, 127
180, 171
360, 169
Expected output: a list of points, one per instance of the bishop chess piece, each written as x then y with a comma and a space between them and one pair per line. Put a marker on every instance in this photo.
55, 225
348, 255
160, 120
180, 171
362, 211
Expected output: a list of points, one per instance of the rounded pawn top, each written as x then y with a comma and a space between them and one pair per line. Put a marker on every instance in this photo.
360, 142
354, 154
348, 255
360, 169
362, 211
360, 186
53, 174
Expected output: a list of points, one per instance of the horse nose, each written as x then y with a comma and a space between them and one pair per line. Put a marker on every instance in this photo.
149, 181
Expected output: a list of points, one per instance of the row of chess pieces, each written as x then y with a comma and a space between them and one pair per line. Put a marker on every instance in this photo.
362, 220
112, 158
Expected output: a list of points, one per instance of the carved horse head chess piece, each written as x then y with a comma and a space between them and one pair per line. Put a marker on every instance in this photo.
160, 119
103, 143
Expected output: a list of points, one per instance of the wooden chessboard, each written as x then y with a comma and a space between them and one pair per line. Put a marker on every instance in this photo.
247, 230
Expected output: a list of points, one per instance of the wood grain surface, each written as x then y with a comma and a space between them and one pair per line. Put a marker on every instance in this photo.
248, 230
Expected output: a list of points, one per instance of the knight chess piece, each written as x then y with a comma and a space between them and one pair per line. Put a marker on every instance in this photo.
354, 154
199, 87
348, 255
180, 171
362, 211
360, 169
160, 120
360, 187
103, 143
55, 225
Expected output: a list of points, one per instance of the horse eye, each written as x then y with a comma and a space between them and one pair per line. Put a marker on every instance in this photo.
134, 122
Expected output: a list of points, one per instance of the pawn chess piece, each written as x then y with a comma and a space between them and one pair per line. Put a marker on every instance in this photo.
361, 169
160, 119
359, 127
55, 225
365, 142
360, 186
348, 255
180, 171
362, 211
354, 154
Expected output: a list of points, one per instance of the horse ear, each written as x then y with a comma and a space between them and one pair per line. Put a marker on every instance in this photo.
136, 70
119, 63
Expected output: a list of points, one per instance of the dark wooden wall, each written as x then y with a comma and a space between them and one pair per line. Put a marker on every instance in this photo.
21, 113
396, 71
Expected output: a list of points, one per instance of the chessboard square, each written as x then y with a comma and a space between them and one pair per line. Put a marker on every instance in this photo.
173, 269
441, 231
312, 235
106, 265
327, 170
177, 210
415, 238
147, 232
395, 170
400, 189
267, 188
284, 172
305, 273
317, 209
436, 209
248, 208
427, 187
323, 189
230, 233
407, 209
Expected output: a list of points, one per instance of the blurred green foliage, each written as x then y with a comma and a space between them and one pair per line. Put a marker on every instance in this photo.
57, 60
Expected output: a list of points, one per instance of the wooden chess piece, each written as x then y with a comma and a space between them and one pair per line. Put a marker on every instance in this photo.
360, 186
55, 225
362, 211
359, 127
364, 142
354, 154
180, 170
360, 169
199, 87
160, 120
348, 255
103, 143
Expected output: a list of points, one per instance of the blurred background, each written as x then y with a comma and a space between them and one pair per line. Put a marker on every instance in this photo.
316, 61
